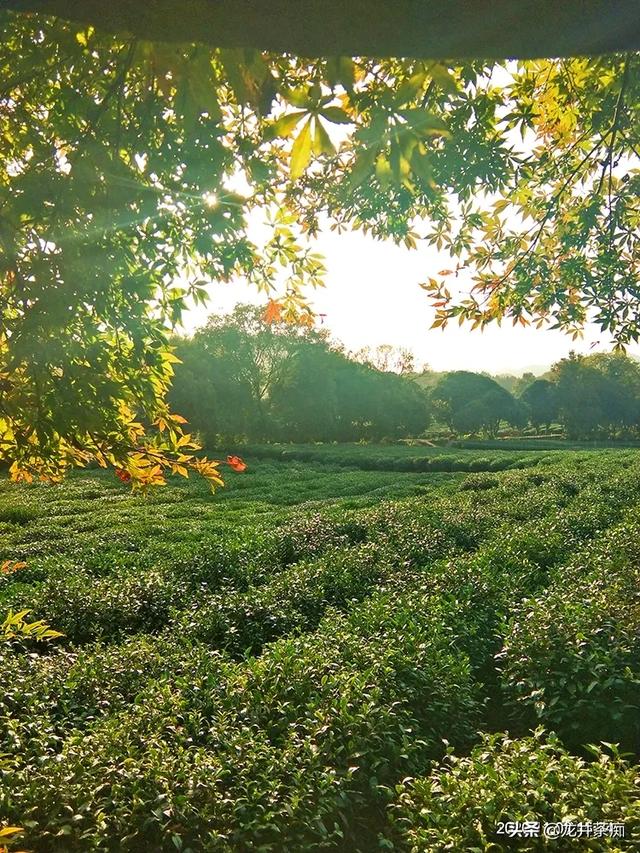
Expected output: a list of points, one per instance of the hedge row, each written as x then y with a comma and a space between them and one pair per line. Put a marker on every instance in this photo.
375, 459
241, 594
377, 632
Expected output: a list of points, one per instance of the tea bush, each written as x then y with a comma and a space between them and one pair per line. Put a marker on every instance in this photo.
461, 804
571, 656
304, 740
400, 458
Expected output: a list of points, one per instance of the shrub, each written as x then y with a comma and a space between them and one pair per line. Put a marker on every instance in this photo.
297, 749
18, 513
86, 608
460, 805
479, 482
295, 600
149, 727
571, 660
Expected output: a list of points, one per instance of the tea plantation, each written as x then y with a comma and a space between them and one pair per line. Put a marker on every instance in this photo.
350, 650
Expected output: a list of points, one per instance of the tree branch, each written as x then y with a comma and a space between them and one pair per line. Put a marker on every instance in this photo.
615, 123
551, 209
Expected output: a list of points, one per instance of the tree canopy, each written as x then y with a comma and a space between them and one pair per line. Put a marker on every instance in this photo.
243, 378
131, 170
598, 395
471, 402
541, 399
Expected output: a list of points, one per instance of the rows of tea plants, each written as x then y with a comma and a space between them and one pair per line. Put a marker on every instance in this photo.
408, 458
328, 676
92, 510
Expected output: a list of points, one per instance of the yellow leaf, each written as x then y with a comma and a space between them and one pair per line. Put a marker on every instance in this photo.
285, 125
10, 830
301, 151
383, 170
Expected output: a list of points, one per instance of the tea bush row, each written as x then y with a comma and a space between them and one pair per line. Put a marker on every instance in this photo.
376, 458
296, 749
514, 560
216, 582
461, 804
571, 657
267, 734
163, 742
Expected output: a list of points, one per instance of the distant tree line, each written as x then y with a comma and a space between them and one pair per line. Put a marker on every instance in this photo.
589, 397
242, 378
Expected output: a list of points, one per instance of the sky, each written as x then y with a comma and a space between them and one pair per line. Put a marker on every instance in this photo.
372, 297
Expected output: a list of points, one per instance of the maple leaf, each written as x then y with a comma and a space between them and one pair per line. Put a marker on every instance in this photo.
273, 312
236, 463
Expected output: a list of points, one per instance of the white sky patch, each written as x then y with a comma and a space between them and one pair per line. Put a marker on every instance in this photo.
372, 297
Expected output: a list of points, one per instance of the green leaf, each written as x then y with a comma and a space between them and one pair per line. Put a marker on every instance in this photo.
421, 167
202, 90
425, 123
298, 97
341, 70
408, 89
336, 115
363, 167
285, 125
322, 143
347, 72
301, 151
237, 77
444, 79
